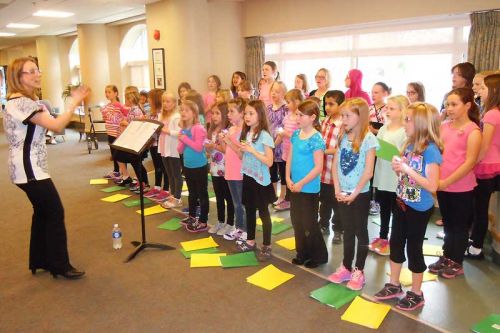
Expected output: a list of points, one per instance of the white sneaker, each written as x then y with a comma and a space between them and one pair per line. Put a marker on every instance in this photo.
225, 230
232, 234
242, 237
216, 227
440, 234
173, 202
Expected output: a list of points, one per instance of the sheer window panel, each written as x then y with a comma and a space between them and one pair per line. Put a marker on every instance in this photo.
324, 44
139, 77
338, 68
396, 71
405, 38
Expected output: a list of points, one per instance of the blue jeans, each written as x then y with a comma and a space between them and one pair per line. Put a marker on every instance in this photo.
236, 189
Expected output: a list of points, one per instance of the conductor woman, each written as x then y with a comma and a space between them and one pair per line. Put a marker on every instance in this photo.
25, 123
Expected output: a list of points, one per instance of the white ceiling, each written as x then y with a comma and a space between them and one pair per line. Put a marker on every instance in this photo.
86, 11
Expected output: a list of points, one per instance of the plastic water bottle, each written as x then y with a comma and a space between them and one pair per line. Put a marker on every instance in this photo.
117, 237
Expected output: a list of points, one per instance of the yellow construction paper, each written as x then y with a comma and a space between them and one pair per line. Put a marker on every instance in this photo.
405, 277
432, 250
184, 187
206, 259
287, 243
152, 210
198, 244
269, 277
98, 181
116, 197
366, 313
273, 219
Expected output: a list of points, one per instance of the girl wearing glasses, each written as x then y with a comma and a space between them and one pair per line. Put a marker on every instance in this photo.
25, 123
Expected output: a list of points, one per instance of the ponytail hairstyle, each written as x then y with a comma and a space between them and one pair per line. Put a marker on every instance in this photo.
113, 89
492, 82
311, 108
466, 95
384, 87
224, 122
427, 120
273, 66
262, 125
238, 103
358, 106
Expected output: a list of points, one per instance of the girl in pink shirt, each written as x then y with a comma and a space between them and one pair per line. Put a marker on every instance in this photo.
462, 140
269, 74
488, 168
234, 178
213, 85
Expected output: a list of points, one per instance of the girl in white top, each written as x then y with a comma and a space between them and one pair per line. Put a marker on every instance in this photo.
385, 180
168, 149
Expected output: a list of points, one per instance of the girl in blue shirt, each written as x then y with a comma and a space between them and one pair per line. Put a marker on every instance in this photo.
303, 169
257, 147
352, 170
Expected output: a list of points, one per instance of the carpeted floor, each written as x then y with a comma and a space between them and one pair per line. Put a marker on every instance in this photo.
156, 292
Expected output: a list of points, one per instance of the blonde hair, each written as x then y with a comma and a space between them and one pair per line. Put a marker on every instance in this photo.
133, 96
427, 121
360, 107
194, 108
295, 95
225, 94
327, 75
281, 84
402, 102
166, 94
14, 73
131, 89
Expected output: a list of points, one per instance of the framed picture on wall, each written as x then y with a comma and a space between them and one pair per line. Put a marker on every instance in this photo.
159, 68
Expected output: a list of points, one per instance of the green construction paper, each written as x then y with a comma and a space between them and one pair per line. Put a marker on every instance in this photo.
387, 150
113, 189
239, 260
135, 202
334, 295
172, 224
211, 194
278, 228
209, 177
187, 254
490, 324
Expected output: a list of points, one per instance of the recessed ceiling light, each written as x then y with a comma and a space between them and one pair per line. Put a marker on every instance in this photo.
6, 34
52, 13
22, 26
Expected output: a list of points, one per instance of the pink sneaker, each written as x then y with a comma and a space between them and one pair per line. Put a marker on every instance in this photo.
357, 280
342, 274
383, 249
374, 244
161, 196
152, 193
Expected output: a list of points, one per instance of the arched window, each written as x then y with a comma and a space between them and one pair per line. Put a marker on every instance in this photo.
74, 63
134, 57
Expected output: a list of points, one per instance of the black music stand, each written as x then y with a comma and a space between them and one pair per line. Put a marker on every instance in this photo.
134, 140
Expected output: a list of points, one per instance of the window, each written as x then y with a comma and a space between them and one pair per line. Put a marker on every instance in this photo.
74, 63
134, 57
395, 53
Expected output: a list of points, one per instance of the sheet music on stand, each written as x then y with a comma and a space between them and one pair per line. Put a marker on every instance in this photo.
135, 138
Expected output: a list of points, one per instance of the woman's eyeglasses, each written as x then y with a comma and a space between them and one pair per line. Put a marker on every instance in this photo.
33, 71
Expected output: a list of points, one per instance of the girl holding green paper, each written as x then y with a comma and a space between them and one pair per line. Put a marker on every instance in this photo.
385, 180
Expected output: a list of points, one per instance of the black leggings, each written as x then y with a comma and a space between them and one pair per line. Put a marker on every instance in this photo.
223, 199
112, 139
136, 161
48, 244
387, 202
328, 205
309, 241
277, 171
457, 209
355, 223
482, 194
160, 172
408, 228
173, 167
197, 183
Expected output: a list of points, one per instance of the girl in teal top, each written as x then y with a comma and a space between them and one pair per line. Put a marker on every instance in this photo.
303, 169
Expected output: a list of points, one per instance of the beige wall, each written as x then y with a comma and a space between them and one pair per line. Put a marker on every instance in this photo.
263, 17
199, 37
49, 63
9, 54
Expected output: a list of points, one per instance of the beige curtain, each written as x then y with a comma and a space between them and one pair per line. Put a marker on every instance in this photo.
254, 58
484, 40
